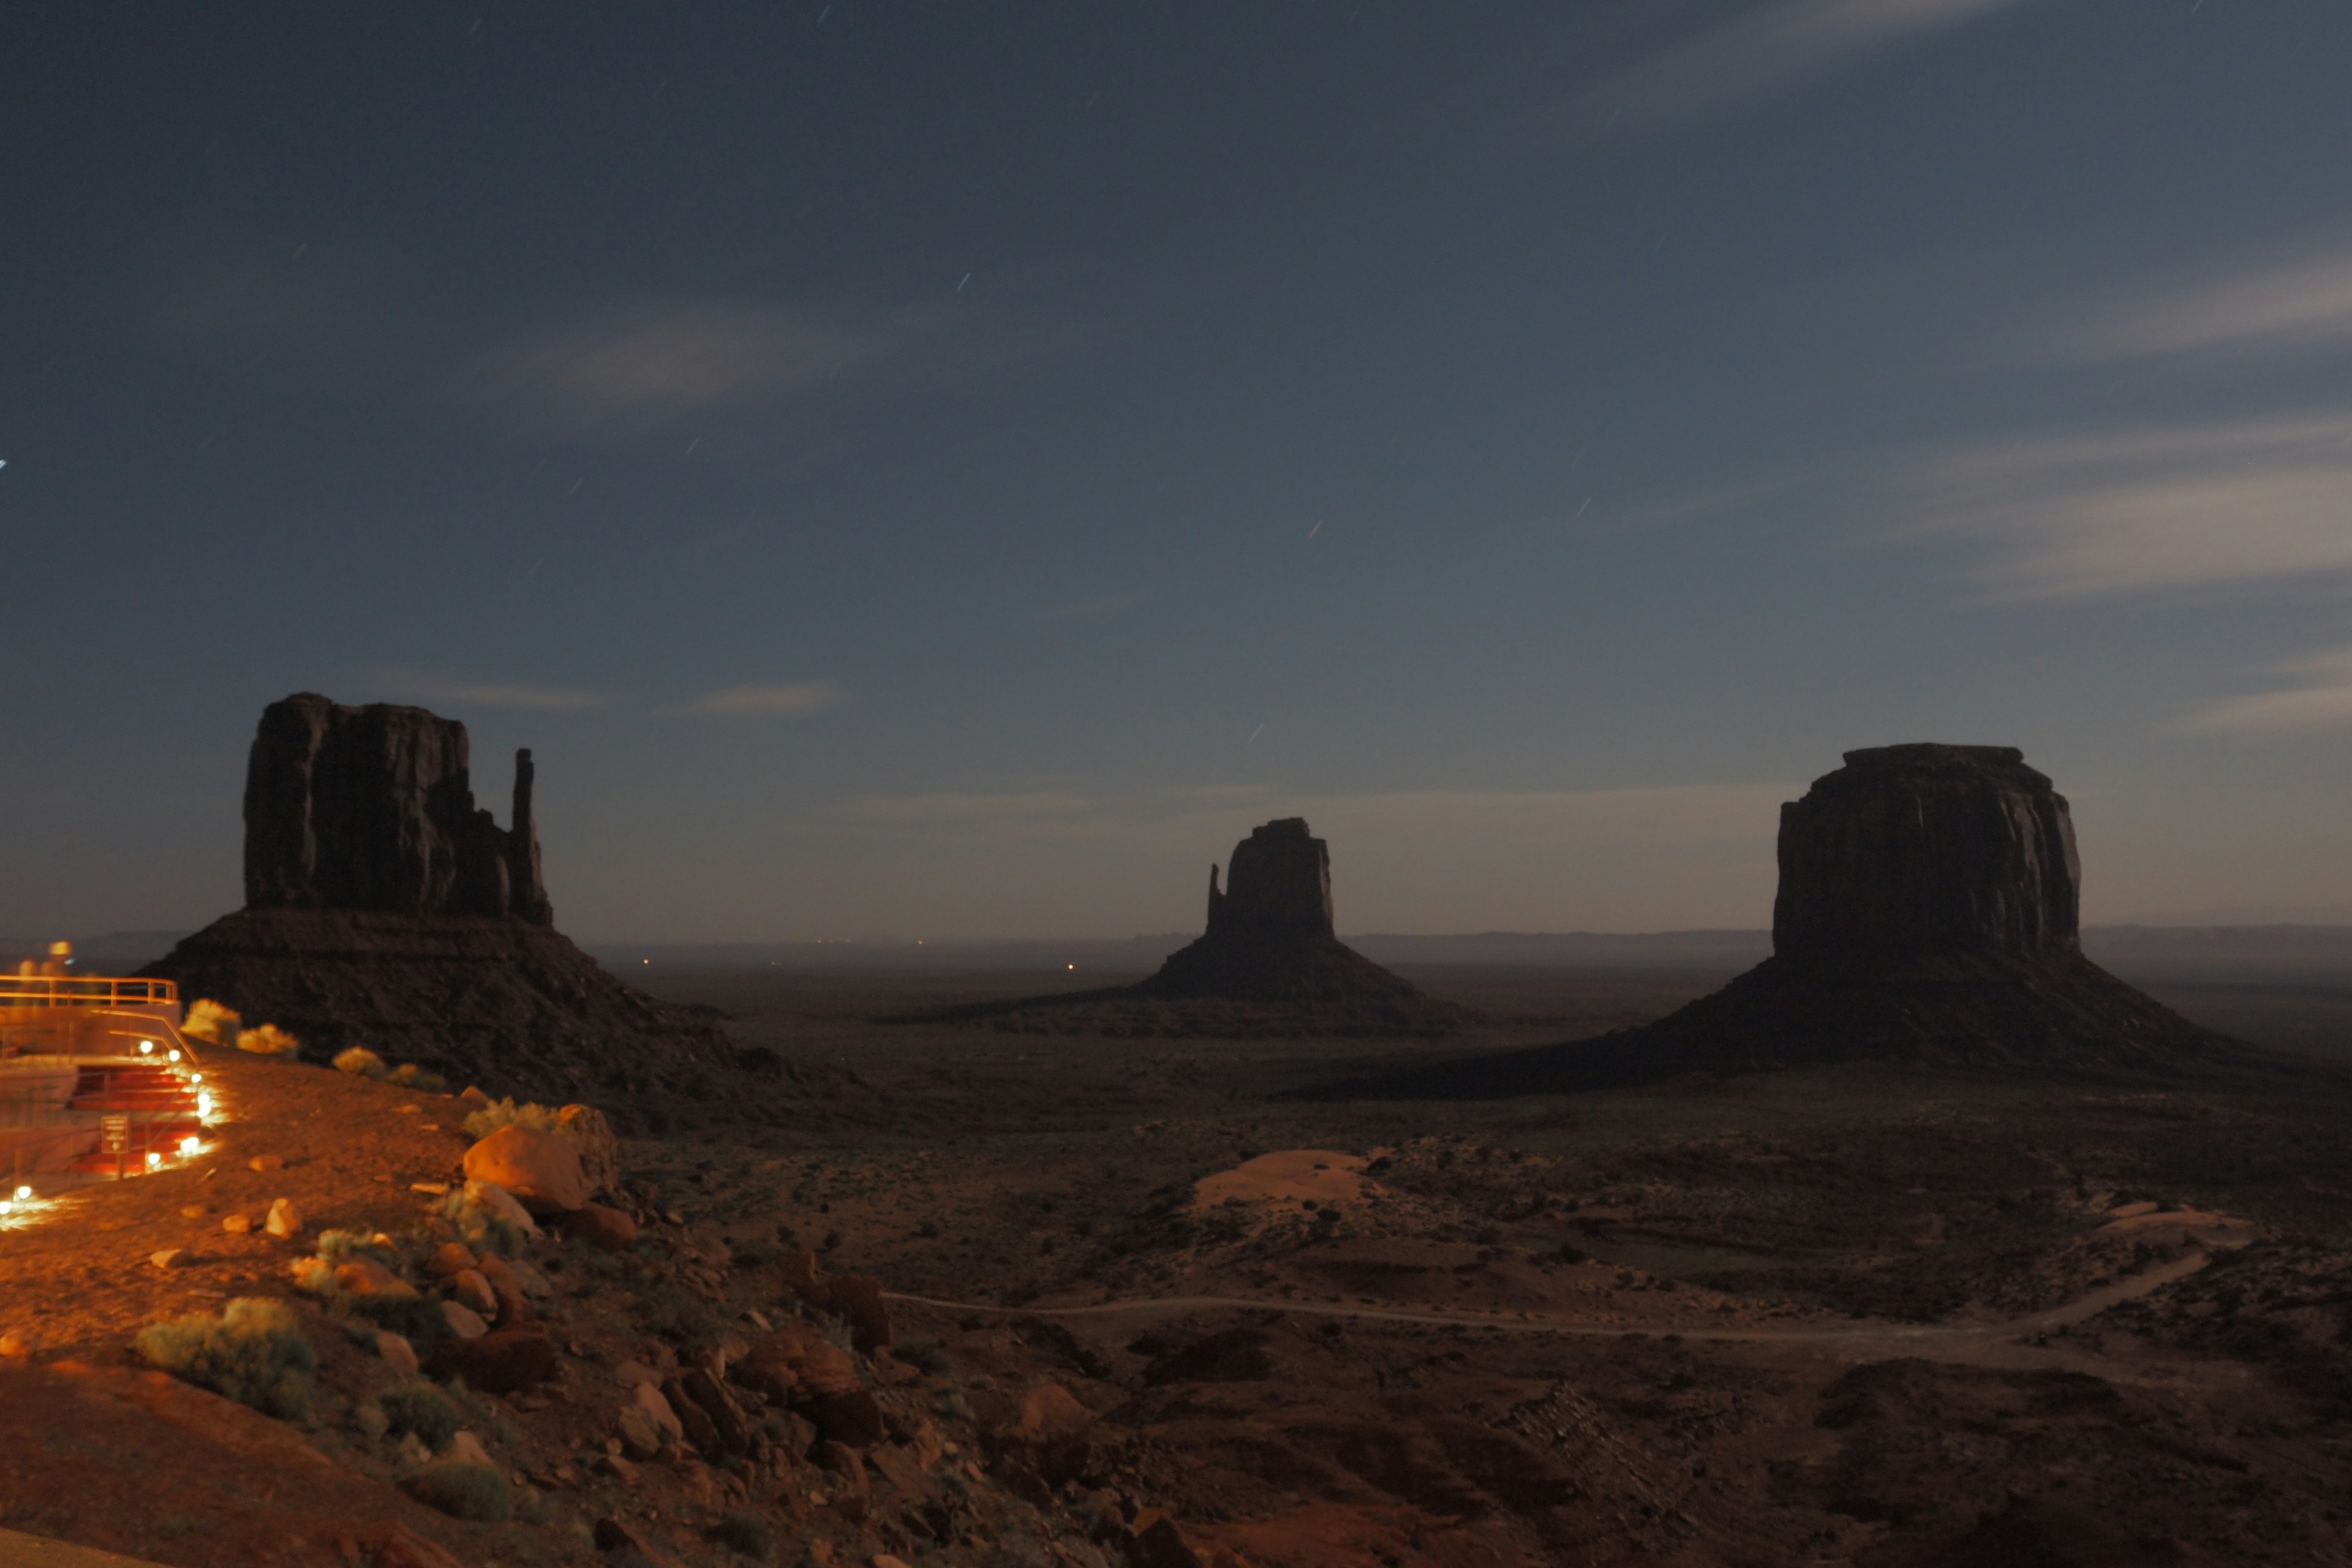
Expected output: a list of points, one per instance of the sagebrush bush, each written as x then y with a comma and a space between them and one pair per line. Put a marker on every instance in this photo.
362, 1061
462, 1489
269, 1040
253, 1353
480, 1228
421, 1408
408, 1075
208, 1020
922, 1350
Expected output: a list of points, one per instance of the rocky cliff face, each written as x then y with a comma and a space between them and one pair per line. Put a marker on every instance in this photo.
1912, 851
373, 808
383, 909
1270, 942
1280, 884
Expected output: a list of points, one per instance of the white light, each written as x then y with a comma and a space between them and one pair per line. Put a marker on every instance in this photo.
5, 1206
23, 1193
190, 1145
175, 1055
146, 1047
153, 1159
203, 1105
196, 1077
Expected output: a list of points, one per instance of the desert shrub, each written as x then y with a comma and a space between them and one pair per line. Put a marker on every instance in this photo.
368, 1420
745, 1532
481, 1229
269, 1040
208, 1020
680, 1316
253, 1353
421, 1408
507, 1113
362, 1061
408, 1075
462, 1489
922, 1350
416, 1319
335, 1245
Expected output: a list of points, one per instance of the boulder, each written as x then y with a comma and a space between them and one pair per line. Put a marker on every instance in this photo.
650, 1399
853, 1493
592, 1137
541, 1170
699, 1430
397, 1352
448, 1260
172, 1257
462, 1320
607, 1229
732, 1427
496, 1200
468, 1288
285, 1220
638, 1433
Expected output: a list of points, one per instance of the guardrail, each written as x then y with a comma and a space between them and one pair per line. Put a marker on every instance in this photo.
84, 991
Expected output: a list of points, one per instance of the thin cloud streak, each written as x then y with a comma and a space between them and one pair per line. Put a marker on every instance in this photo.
512, 695
2284, 304
1772, 47
2323, 701
2149, 508
791, 699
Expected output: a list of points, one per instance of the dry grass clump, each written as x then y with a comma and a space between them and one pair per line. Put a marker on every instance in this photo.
208, 1020
462, 1489
361, 1062
421, 1408
269, 1040
253, 1353
507, 1113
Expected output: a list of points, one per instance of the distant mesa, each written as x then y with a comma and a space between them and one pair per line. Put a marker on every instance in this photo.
383, 909
1928, 912
1270, 936
1268, 964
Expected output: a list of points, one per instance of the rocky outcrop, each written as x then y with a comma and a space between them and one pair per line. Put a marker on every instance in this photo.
1926, 850
373, 808
1268, 964
1928, 912
383, 909
1269, 937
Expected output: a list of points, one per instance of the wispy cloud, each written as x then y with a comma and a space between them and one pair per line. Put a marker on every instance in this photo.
1768, 49
1095, 609
419, 686
791, 699
2145, 508
2291, 301
2321, 700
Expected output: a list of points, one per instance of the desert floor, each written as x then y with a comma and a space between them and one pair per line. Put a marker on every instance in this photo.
1853, 1315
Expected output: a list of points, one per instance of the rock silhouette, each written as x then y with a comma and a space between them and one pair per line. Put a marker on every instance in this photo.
1268, 964
1269, 936
373, 808
1928, 912
384, 909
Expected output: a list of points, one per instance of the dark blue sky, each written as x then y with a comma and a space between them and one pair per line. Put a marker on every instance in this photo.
951, 468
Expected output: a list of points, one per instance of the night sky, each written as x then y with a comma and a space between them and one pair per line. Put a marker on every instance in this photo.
951, 469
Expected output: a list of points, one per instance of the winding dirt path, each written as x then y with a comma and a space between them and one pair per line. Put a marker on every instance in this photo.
1872, 1338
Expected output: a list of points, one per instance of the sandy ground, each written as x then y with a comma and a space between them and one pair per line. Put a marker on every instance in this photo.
1859, 1315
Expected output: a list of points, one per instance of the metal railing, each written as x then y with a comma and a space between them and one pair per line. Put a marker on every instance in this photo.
84, 991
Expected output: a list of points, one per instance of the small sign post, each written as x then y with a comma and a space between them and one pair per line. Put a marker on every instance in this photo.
114, 1138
